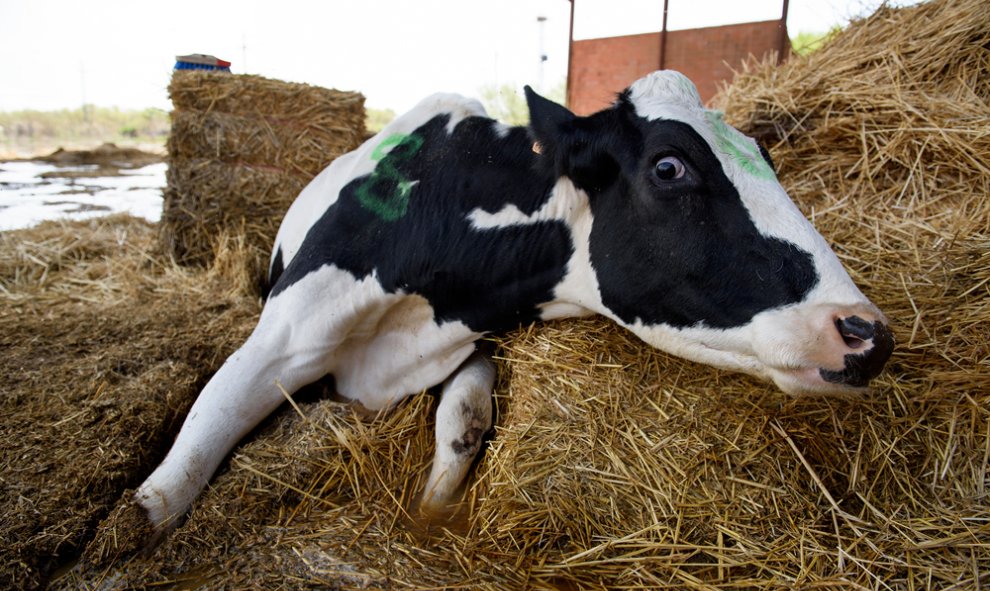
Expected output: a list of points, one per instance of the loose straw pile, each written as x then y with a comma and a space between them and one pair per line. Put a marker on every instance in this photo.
614, 466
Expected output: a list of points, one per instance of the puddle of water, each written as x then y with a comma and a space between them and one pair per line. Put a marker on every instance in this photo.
27, 199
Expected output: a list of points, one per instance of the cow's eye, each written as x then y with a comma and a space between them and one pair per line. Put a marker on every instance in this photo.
669, 168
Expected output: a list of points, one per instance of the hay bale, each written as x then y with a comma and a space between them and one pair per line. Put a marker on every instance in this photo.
207, 206
240, 150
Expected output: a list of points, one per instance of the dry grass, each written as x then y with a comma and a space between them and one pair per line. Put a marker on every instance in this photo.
240, 150
617, 467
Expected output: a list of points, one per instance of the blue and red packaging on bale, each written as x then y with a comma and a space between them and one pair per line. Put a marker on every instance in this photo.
201, 61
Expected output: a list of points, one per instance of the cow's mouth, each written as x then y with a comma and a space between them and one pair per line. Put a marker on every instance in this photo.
805, 381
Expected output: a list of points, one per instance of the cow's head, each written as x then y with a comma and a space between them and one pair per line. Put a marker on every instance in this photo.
695, 247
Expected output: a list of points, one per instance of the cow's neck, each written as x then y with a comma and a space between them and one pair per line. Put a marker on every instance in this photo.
578, 294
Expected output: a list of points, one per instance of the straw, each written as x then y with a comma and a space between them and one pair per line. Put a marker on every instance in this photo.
612, 466
240, 150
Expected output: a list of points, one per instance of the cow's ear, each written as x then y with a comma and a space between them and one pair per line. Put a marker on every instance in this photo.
551, 124
571, 144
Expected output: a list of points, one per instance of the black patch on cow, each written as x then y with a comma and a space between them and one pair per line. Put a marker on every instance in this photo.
860, 368
695, 256
274, 272
766, 156
470, 441
421, 240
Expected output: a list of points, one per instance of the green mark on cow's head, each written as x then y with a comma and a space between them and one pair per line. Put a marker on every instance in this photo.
386, 191
739, 148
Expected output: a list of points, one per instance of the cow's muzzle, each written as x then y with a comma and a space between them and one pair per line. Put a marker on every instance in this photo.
868, 345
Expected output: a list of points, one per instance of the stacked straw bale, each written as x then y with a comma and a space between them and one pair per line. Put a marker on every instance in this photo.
615, 466
241, 149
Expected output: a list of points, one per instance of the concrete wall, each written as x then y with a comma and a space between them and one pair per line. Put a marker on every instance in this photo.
602, 67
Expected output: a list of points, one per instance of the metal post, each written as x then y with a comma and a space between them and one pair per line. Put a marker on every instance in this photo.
784, 39
541, 22
663, 36
569, 99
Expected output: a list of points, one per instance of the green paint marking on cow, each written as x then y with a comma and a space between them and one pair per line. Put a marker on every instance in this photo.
737, 146
392, 205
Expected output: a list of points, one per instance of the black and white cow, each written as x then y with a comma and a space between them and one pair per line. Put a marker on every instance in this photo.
448, 226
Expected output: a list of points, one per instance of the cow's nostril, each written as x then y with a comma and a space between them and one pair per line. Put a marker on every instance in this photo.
861, 364
854, 331
852, 342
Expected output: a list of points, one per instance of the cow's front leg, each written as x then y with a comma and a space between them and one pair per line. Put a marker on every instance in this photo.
463, 416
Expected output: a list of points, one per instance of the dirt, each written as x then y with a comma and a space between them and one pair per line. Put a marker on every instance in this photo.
106, 155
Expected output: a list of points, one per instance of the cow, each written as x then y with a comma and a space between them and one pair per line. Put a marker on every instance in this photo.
448, 226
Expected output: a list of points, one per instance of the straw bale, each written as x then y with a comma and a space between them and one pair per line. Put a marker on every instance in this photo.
240, 149
199, 205
616, 466
249, 95
253, 141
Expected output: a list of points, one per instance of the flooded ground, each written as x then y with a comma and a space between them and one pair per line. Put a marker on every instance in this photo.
34, 191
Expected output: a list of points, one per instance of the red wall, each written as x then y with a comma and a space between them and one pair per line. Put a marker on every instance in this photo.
600, 68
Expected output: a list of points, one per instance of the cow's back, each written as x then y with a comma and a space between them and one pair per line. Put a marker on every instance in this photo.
324, 190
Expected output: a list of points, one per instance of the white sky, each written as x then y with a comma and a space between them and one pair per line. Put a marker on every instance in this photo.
60, 53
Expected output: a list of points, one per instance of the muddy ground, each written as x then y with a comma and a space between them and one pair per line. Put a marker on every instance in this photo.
79, 184
106, 157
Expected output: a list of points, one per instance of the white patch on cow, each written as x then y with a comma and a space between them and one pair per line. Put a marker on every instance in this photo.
561, 205
458, 107
578, 294
760, 348
510, 215
324, 190
663, 90
379, 346
726, 349
501, 129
